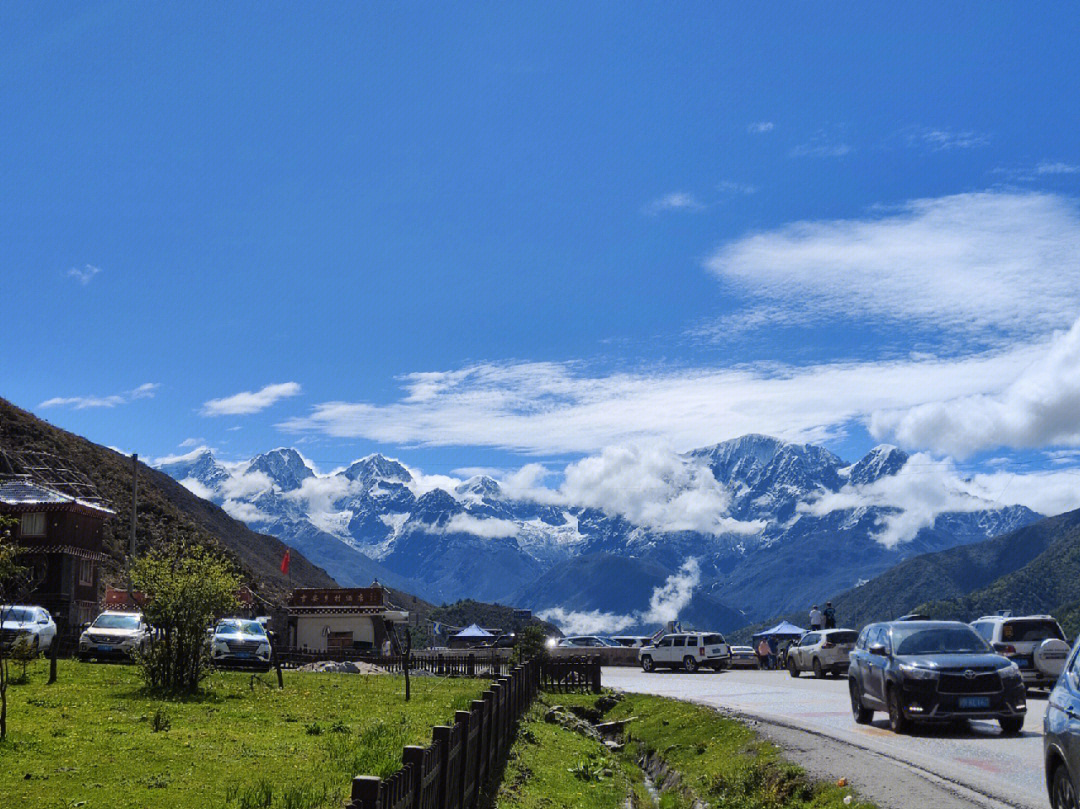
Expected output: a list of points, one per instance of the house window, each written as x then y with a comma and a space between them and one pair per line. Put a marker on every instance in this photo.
32, 525
86, 573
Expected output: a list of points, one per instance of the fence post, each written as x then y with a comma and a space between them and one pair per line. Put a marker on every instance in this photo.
482, 705
365, 792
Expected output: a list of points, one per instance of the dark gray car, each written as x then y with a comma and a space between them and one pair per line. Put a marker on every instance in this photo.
933, 671
1061, 736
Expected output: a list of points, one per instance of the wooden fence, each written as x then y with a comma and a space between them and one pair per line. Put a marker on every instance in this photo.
450, 772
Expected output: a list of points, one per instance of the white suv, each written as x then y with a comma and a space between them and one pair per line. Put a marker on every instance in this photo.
823, 652
30, 625
114, 634
1035, 643
687, 650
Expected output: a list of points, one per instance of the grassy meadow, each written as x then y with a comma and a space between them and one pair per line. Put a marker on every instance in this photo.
96, 739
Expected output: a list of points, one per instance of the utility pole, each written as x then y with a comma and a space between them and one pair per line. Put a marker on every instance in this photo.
134, 516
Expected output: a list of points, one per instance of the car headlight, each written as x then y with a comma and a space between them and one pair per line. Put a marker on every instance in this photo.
1010, 672
918, 672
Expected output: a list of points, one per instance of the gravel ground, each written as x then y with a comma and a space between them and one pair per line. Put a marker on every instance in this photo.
811, 719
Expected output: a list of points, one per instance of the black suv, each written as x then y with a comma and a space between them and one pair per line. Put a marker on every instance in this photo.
933, 671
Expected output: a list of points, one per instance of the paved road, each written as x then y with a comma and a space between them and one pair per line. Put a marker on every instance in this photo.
999, 768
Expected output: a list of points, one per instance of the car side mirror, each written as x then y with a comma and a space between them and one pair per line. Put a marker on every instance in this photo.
878, 649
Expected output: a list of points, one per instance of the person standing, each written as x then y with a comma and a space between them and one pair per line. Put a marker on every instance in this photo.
774, 647
830, 615
816, 619
763, 654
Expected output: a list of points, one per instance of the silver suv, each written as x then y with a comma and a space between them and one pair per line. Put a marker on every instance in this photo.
1035, 643
822, 652
115, 634
687, 650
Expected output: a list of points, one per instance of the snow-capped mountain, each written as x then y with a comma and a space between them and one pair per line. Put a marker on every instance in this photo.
798, 524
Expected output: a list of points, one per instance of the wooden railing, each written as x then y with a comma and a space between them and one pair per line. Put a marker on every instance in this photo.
449, 772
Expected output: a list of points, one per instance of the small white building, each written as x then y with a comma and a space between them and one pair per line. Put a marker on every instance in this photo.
341, 619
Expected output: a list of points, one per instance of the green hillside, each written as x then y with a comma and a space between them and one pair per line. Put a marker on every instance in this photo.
166, 509
1032, 569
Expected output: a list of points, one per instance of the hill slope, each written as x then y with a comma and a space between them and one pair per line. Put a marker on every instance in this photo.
166, 509
1033, 569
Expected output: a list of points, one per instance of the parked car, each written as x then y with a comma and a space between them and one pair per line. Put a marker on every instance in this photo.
114, 634
743, 657
240, 643
33, 625
586, 641
914, 616
1035, 643
933, 671
632, 641
823, 652
1061, 736
687, 650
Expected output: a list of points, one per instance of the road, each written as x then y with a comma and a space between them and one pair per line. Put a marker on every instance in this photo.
996, 769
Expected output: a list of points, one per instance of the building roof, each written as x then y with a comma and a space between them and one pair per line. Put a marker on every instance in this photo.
22, 494
473, 631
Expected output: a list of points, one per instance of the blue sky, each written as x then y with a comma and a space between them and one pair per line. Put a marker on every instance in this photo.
490, 235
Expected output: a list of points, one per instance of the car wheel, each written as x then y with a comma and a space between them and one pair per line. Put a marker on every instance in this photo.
862, 715
898, 723
646, 664
1011, 725
818, 673
690, 664
1063, 795
792, 668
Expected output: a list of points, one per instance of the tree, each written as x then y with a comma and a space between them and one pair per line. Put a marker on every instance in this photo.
187, 587
531, 642
12, 581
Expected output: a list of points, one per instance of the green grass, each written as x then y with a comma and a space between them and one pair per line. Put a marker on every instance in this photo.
95, 739
550, 767
720, 761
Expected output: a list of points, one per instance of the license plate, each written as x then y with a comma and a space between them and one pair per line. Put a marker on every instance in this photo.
974, 702
102, 648
1023, 662
243, 654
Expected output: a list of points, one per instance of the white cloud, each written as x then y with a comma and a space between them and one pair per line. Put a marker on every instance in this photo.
193, 442
144, 391
1047, 167
245, 512
964, 264
185, 456
665, 604
85, 275
731, 187
556, 408
675, 201
197, 488
488, 527
1041, 407
927, 486
822, 144
654, 487
942, 139
760, 127
247, 402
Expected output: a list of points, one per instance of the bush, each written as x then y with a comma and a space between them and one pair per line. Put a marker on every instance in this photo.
187, 587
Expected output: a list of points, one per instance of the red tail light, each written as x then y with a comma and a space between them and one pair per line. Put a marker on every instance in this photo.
1005, 648
701, 651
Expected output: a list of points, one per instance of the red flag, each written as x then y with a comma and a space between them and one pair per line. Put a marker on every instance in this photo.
285, 562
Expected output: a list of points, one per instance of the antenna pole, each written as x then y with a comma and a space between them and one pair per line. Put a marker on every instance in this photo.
131, 541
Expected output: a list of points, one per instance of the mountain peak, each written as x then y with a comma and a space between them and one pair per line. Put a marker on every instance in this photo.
481, 486
882, 461
377, 467
285, 467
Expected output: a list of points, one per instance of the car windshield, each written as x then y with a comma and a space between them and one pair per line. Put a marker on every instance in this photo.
842, 637
106, 621
1030, 630
240, 628
21, 615
923, 640
712, 640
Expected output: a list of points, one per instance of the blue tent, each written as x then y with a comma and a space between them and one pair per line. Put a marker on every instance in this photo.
473, 631
781, 630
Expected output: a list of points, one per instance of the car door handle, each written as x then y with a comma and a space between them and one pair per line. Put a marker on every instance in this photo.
1069, 712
